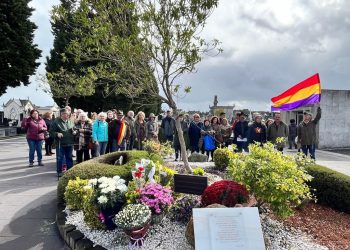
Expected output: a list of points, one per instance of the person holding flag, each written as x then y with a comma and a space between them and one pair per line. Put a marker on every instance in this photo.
307, 133
307, 92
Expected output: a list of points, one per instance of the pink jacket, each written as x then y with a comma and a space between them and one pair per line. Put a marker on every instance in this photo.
35, 128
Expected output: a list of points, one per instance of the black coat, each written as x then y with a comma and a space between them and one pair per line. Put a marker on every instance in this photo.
257, 133
241, 129
293, 130
184, 127
194, 133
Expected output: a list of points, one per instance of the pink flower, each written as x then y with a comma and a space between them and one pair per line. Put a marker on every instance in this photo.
101, 217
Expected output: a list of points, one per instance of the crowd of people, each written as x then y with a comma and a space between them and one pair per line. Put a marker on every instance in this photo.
113, 131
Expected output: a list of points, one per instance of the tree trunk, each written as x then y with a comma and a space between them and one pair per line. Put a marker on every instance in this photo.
67, 101
182, 142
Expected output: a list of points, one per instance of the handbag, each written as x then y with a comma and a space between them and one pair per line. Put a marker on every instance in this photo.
91, 144
209, 143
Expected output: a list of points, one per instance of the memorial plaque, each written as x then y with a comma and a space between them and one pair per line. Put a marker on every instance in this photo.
190, 184
227, 229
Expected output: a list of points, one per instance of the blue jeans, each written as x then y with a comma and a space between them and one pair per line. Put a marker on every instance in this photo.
35, 145
64, 156
309, 149
100, 149
130, 145
116, 147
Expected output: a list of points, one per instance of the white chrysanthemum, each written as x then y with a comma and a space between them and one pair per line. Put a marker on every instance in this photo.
93, 182
110, 189
87, 187
123, 188
102, 199
116, 178
102, 179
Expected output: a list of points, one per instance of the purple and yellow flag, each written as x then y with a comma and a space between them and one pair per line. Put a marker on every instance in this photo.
304, 93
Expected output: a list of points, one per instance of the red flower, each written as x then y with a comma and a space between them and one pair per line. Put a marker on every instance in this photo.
141, 168
225, 192
138, 174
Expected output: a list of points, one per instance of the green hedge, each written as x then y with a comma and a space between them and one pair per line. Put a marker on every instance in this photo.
103, 166
332, 188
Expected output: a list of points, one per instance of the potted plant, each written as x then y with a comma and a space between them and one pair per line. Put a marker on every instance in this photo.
157, 198
135, 220
108, 194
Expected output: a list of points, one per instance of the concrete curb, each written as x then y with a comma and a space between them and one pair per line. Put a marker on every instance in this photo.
73, 237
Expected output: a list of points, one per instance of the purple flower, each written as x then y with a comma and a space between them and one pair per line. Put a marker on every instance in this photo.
156, 197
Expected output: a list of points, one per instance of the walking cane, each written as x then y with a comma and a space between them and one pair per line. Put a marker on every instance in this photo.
58, 154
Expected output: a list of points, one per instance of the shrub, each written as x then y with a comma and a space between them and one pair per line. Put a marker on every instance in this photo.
162, 149
75, 193
272, 178
227, 193
103, 166
222, 158
198, 171
197, 157
91, 212
331, 188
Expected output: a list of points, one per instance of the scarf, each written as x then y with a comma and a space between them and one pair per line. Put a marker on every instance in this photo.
121, 133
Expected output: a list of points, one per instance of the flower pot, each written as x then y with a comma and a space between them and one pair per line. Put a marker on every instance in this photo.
108, 215
137, 235
157, 218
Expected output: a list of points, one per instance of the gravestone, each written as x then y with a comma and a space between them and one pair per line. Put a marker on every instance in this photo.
190, 184
227, 229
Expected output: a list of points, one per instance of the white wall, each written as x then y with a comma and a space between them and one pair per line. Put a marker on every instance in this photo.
12, 111
334, 127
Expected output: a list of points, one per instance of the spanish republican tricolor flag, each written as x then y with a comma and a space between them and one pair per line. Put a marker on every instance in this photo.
304, 93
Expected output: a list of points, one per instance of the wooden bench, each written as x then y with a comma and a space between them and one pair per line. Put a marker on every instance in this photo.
190, 184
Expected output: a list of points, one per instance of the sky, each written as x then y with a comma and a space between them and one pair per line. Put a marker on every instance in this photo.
269, 45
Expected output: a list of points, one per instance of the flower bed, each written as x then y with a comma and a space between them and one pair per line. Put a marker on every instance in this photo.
148, 194
171, 235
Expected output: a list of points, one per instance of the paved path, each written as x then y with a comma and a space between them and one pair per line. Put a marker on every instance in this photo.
335, 161
27, 200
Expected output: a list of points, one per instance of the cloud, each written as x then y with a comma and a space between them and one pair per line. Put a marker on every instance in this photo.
269, 45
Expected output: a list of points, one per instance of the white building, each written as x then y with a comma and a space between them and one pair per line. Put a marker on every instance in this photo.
16, 109
333, 130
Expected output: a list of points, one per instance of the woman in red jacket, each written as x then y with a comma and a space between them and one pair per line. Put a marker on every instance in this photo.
36, 128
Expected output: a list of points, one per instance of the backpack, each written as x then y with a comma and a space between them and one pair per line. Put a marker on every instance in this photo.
209, 143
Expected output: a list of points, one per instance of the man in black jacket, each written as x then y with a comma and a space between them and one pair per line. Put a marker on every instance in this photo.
241, 134
257, 131
292, 134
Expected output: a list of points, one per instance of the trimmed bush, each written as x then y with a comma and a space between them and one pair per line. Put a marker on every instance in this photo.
103, 166
222, 158
91, 215
75, 193
331, 188
198, 171
272, 178
227, 193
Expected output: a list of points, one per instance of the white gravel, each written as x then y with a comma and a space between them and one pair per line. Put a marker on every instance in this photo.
171, 236
167, 235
